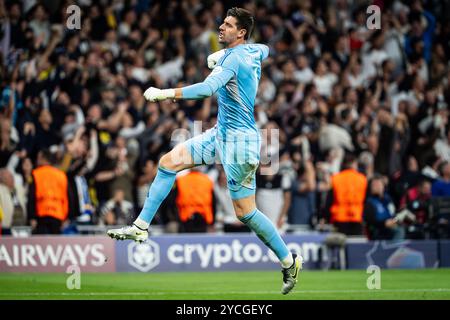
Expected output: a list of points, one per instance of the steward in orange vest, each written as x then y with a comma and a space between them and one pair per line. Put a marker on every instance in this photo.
195, 195
348, 194
48, 197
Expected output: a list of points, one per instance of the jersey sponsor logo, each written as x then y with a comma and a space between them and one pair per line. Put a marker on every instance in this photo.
144, 256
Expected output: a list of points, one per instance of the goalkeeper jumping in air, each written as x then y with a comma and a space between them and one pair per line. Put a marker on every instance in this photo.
234, 139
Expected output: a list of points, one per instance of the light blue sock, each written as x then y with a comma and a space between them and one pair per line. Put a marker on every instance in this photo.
159, 190
267, 232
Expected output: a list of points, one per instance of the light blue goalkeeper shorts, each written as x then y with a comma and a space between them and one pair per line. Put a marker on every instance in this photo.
238, 151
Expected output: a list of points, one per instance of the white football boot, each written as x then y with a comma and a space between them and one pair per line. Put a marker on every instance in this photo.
129, 233
290, 275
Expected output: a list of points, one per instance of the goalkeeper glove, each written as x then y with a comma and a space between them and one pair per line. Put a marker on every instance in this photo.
214, 57
154, 94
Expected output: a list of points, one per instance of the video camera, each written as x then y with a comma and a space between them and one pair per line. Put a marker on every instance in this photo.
403, 215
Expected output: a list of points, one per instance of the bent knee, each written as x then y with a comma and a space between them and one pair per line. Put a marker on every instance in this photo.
176, 160
242, 207
167, 163
239, 213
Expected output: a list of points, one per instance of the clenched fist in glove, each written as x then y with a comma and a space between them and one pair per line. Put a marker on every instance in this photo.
154, 94
214, 57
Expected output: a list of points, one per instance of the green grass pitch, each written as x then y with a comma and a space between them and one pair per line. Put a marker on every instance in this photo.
245, 285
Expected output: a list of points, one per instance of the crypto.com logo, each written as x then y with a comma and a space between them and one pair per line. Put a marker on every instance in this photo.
246, 148
144, 256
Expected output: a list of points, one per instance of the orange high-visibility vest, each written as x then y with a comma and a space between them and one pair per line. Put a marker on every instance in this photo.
349, 193
195, 194
51, 192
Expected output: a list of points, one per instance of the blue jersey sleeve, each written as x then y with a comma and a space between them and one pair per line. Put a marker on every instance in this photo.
218, 78
264, 51
230, 62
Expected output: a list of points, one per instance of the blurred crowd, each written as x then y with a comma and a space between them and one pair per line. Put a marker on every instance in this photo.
340, 95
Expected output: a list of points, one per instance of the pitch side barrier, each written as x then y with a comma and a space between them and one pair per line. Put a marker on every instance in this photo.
204, 252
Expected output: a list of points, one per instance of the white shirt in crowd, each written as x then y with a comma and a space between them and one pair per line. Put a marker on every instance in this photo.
224, 205
270, 200
324, 84
442, 149
372, 61
356, 81
126, 208
305, 75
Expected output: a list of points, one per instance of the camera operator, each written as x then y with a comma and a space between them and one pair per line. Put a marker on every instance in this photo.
379, 213
418, 201
117, 211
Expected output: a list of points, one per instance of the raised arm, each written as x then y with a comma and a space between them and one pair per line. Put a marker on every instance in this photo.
219, 77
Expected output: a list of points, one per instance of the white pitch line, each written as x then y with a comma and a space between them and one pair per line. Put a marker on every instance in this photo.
211, 293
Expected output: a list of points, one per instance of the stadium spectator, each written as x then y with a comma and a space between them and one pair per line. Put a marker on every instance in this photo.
12, 201
7, 146
195, 201
347, 198
224, 206
20, 166
379, 213
417, 200
324, 80
45, 135
167, 215
420, 38
302, 189
442, 146
126, 158
6, 200
402, 181
441, 187
49, 197
40, 24
323, 174
272, 197
144, 181
431, 168
117, 211
114, 170
79, 161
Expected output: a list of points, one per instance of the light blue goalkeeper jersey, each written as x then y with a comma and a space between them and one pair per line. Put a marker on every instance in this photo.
235, 78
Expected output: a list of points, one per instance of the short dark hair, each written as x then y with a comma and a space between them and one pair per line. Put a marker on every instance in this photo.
376, 177
48, 156
349, 159
244, 19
